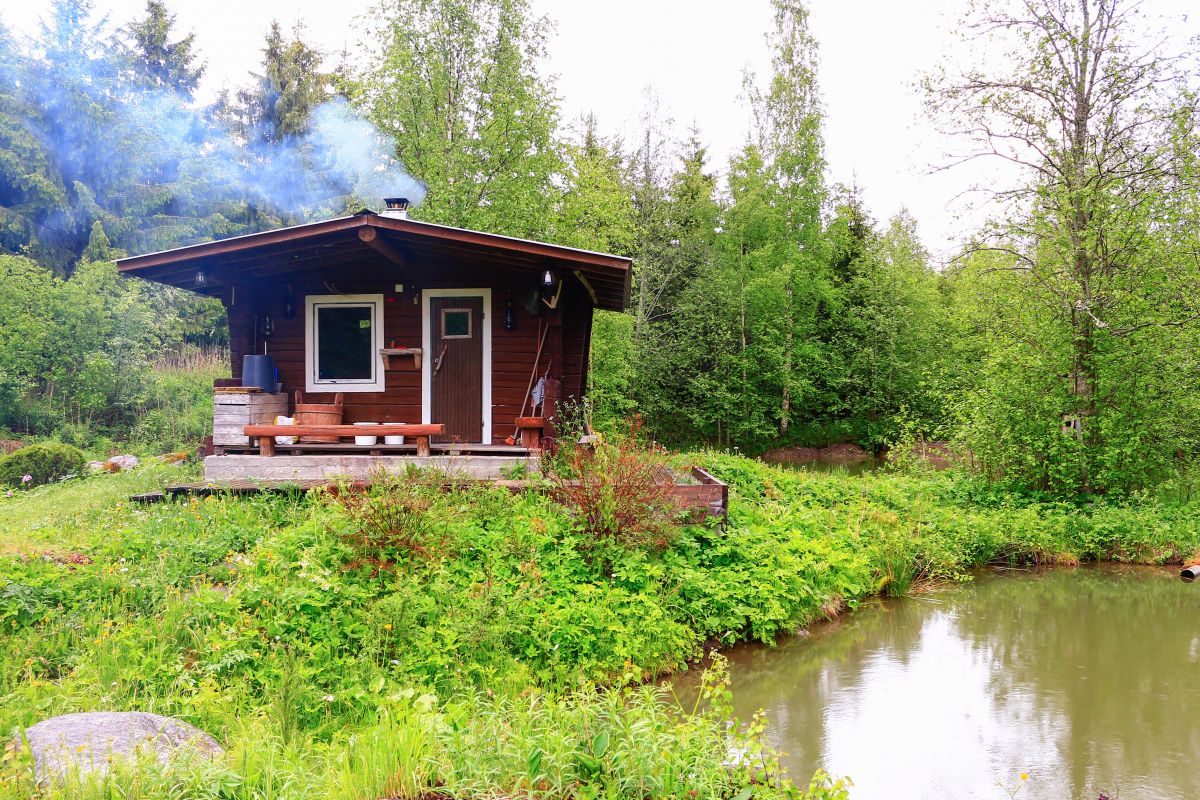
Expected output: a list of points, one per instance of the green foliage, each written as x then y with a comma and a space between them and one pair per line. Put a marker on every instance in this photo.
259, 620
612, 370
86, 352
1088, 263
776, 313
43, 463
459, 87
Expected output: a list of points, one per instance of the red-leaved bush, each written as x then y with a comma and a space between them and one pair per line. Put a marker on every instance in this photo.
619, 488
389, 522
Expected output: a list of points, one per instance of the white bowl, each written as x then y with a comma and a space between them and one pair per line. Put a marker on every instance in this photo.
393, 440
366, 440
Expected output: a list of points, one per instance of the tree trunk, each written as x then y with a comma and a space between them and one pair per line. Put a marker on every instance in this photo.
785, 405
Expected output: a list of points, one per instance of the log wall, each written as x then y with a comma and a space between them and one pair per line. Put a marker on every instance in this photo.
512, 351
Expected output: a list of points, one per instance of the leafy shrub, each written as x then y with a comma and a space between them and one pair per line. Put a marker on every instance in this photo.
43, 462
390, 521
616, 488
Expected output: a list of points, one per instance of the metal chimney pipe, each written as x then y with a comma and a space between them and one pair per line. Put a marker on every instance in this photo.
395, 207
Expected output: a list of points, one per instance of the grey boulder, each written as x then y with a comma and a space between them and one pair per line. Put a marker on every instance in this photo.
81, 743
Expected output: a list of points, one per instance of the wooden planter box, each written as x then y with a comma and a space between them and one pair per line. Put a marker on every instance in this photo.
233, 411
708, 498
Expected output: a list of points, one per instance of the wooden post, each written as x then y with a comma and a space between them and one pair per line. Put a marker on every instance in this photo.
531, 438
422, 446
266, 446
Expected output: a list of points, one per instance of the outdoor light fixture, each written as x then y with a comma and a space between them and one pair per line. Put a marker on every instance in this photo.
201, 278
550, 295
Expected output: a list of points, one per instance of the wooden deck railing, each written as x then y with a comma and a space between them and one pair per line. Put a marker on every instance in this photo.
266, 433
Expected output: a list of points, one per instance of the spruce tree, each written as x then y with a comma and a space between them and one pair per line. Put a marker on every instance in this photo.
279, 104
155, 60
31, 188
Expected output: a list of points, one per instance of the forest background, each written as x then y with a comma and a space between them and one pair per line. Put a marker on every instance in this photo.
1056, 352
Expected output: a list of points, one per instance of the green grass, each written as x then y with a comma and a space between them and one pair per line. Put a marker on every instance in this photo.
464, 654
76, 513
175, 411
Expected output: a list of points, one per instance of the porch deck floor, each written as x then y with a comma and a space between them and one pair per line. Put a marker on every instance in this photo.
346, 448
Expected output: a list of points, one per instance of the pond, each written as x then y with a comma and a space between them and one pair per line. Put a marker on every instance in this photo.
1086, 680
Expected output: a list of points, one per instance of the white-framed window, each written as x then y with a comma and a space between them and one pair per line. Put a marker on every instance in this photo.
343, 334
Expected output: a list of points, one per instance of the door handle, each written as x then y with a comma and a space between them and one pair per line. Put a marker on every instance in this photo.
437, 364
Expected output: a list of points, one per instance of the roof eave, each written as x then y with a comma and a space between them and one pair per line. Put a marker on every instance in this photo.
149, 263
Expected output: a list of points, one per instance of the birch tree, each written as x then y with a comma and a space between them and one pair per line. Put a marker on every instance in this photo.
787, 115
457, 82
1093, 117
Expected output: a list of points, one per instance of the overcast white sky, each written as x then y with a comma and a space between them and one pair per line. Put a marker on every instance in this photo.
693, 54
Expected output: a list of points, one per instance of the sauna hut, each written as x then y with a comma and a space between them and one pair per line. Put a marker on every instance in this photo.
466, 344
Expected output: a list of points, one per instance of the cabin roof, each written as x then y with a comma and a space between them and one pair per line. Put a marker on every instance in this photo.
280, 254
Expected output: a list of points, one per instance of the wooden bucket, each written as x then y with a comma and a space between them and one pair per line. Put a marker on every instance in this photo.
318, 414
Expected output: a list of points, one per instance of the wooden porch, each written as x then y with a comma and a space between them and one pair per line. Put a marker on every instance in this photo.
269, 460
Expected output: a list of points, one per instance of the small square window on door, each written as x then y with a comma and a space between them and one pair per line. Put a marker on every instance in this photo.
456, 323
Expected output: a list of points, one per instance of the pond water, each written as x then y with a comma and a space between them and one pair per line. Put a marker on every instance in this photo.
1087, 680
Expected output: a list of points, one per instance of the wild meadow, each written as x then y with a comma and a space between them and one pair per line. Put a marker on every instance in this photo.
474, 642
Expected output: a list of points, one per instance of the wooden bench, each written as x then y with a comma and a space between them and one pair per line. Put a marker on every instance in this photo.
266, 433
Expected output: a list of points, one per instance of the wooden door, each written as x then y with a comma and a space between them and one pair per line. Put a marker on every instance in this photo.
456, 391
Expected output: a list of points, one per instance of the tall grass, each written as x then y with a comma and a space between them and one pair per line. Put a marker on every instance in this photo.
175, 412
636, 743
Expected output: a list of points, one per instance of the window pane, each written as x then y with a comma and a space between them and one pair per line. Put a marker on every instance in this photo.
456, 323
344, 343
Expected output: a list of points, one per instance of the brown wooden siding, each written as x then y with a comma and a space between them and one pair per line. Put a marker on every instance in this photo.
512, 351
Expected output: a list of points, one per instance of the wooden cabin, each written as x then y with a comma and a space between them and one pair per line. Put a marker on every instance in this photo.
408, 323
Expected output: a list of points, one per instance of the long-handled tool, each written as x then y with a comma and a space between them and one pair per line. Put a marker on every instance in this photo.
511, 440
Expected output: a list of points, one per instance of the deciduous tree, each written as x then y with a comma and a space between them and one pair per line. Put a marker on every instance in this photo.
1099, 223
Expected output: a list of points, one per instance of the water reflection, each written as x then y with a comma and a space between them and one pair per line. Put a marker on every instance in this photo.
1085, 679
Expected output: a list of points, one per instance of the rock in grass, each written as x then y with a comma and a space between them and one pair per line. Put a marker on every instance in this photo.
80, 743
122, 463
